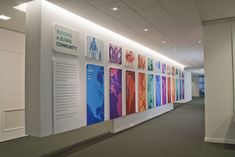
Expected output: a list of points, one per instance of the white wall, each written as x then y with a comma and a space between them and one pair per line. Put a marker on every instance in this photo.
195, 86
39, 55
187, 86
219, 125
12, 105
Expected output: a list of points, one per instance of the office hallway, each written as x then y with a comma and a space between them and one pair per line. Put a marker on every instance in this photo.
178, 133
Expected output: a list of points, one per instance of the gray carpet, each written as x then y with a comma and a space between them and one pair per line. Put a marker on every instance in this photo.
179, 133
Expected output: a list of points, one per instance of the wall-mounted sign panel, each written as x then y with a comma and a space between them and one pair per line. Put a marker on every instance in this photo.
65, 92
65, 40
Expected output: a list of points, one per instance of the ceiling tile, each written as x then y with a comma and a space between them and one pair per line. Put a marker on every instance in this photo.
125, 15
141, 4
161, 20
158, 17
190, 23
187, 20
176, 6
100, 2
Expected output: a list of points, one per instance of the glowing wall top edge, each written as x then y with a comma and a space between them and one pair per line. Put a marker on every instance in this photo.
107, 31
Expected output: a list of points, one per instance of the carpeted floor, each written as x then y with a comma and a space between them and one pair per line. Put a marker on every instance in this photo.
179, 133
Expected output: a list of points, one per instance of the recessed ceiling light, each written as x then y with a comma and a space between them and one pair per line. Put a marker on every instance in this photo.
146, 29
21, 7
163, 41
199, 41
115, 9
3, 17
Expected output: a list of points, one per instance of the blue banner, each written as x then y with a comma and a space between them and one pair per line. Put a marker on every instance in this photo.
95, 94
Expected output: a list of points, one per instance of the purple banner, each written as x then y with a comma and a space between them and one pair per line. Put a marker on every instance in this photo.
115, 88
163, 90
115, 54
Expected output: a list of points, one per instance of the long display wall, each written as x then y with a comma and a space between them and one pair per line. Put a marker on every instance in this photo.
82, 74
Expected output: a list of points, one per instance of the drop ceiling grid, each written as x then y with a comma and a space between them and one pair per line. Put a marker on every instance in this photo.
160, 35
129, 11
107, 10
186, 43
193, 54
159, 20
141, 4
122, 17
138, 20
187, 6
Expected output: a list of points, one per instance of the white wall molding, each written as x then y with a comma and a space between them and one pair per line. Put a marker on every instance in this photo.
219, 140
4, 129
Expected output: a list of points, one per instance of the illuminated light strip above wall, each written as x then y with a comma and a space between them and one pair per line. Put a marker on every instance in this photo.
107, 31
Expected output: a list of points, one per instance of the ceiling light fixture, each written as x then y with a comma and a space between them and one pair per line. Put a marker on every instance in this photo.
21, 7
163, 41
146, 29
3, 17
199, 41
115, 9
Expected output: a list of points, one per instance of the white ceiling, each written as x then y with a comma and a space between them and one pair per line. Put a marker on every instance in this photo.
215, 9
196, 71
174, 21
17, 22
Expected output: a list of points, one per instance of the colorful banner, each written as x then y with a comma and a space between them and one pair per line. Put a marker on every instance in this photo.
158, 67
130, 59
115, 90
158, 90
168, 67
173, 89
141, 91
150, 91
115, 54
95, 94
150, 64
176, 72
169, 89
141, 61
95, 48
173, 71
163, 68
130, 92
163, 90
177, 89
182, 88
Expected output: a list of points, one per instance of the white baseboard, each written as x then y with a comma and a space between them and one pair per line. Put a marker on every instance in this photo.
183, 101
126, 122
219, 140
